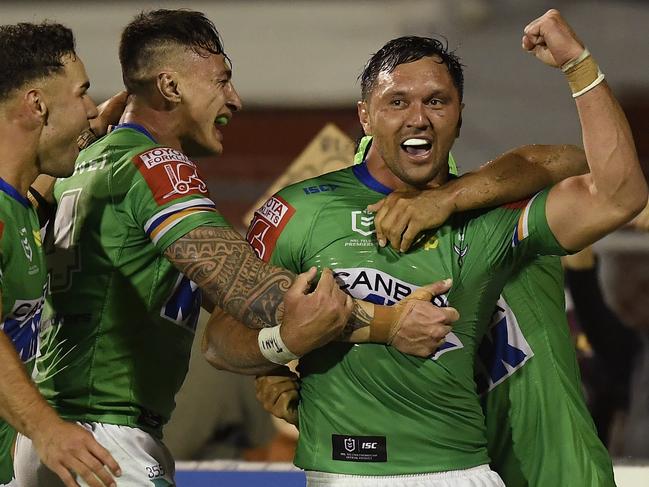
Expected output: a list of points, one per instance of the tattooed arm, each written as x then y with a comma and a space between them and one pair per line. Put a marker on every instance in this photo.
227, 270
255, 293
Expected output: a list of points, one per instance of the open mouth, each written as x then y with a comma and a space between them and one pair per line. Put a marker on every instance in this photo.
417, 147
221, 120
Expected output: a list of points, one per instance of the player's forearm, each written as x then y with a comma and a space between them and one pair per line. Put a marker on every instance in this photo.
515, 175
232, 277
229, 345
616, 175
21, 405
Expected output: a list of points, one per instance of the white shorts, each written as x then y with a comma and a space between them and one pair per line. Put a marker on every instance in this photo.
143, 458
481, 476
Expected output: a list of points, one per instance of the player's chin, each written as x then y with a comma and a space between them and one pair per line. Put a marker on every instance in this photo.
203, 148
63, 166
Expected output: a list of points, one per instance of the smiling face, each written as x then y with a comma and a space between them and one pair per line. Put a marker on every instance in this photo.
414, 114
68, 109
208, 99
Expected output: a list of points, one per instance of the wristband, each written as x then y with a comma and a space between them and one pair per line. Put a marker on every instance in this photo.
387, 321
381, 323
583, 73
272, 346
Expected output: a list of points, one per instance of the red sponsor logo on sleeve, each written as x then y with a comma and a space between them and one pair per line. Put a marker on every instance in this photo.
170, 174
267, 225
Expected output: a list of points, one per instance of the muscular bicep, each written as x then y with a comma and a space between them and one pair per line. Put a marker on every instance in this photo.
577, 216
231, 276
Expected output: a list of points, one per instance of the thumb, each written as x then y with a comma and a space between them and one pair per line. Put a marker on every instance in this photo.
434, 289
302, 283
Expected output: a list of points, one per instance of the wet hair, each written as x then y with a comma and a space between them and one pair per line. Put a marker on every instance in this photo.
32, 51
407, 50
151, 35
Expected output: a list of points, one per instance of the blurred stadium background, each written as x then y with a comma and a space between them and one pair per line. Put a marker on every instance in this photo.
295, 67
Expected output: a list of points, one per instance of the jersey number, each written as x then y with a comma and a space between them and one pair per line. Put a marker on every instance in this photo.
67, 259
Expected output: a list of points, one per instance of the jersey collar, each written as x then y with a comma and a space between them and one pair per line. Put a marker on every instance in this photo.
363, 175
13, 192
137, 127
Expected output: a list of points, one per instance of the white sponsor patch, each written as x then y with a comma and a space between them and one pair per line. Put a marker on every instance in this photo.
381, 288
160, 155
274, 211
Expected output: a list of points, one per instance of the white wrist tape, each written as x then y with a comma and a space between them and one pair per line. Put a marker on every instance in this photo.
598, 80
575, 61
272, 346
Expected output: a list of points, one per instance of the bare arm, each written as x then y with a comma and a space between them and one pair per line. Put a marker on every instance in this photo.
225, 267
516, 174
64, 447
219, 348
582, 209
227, 270
229, 345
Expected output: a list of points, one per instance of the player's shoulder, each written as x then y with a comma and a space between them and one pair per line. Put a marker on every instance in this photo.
316, 191
130, 147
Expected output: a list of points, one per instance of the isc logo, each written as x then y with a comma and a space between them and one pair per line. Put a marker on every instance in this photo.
320, 189
369, 445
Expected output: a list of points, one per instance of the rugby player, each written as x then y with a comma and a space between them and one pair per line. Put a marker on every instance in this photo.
528, 378
44, 107
136, 236
367, 416
527, 367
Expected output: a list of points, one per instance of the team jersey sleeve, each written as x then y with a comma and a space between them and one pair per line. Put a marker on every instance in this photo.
277, 234
167, 197
519, 232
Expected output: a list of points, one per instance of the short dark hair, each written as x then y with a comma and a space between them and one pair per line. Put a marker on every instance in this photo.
31, 51
407, 50
150, 31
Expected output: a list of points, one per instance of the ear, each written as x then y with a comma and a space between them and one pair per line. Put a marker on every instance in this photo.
459, 122
36, 106
168, 86
364, 117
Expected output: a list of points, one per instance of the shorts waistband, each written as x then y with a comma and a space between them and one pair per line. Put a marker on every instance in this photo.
451, 474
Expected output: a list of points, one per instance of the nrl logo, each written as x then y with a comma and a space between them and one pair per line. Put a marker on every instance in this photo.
363, 223
350, 444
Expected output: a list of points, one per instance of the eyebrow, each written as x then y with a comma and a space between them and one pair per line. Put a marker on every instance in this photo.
227, 73
432, 94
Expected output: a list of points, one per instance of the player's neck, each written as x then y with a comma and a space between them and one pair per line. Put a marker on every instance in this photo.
382, 173
18, 156
160, 123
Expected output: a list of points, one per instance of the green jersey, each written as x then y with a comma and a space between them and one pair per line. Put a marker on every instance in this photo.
369, 409
23, 278
538, 427
120, 320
